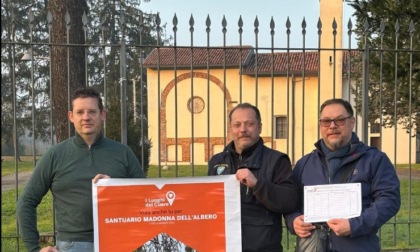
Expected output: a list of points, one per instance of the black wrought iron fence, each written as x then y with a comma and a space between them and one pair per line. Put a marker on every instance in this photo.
179, 95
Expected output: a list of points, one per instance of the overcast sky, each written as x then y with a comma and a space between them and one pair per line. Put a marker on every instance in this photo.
279, 10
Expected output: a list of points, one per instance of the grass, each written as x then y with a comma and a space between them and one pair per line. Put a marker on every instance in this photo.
394, 234
180, 171
8, 167
9, 224
409, 213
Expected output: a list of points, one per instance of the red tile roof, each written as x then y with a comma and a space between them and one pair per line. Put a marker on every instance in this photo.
201, 56
233, 56
279, 62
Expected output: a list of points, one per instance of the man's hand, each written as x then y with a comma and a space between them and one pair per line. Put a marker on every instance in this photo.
99, 176
246, 177
341, 227
302, 229
49, 249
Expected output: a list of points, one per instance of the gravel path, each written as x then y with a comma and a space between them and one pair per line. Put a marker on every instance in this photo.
8, 182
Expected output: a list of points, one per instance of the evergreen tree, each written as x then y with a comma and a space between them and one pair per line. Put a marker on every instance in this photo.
112, 22
17, 86
99, 24
390, 26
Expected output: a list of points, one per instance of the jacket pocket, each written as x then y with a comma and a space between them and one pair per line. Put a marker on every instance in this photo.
256, 215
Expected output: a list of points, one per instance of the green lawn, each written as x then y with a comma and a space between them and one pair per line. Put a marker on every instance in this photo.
8, 167
396, 227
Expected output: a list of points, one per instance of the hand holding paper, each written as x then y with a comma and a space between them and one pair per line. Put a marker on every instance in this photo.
341, 227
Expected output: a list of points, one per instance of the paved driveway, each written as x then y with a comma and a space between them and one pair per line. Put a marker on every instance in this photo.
9, 182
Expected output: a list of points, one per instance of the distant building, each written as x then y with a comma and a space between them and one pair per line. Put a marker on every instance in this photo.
188, 108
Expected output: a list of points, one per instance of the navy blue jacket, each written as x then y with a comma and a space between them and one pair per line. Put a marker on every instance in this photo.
380, 193
263, 205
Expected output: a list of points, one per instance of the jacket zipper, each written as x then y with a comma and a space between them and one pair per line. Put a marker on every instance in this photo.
90, 155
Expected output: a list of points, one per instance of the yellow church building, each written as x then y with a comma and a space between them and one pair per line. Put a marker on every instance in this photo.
192, 90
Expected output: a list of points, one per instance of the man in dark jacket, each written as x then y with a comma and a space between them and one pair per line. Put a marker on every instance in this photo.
341, 158
267, 190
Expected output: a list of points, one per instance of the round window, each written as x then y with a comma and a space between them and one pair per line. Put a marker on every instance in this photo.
195, 104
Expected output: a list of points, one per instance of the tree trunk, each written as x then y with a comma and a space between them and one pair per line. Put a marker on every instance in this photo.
65, 58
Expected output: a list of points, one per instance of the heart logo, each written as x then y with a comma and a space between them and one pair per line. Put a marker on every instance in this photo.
170, 196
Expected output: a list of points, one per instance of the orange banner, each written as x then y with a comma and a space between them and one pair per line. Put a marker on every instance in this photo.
177, 214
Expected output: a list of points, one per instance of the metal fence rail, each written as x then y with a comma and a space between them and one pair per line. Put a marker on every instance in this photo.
287, 83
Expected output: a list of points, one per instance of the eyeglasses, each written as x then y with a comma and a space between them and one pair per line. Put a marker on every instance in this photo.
337, 121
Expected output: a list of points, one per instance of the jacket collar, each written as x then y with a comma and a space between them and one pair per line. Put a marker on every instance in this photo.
81, 142
354, 143
356, 148
251, 157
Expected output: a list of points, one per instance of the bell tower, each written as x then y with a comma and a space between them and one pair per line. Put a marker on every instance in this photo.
331, 56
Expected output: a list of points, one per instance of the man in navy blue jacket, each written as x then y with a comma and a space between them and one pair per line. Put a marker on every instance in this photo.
337, 151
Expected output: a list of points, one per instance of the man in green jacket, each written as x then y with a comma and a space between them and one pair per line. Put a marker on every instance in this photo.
67, 169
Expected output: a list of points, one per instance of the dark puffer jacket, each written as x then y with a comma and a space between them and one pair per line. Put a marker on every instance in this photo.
263, 205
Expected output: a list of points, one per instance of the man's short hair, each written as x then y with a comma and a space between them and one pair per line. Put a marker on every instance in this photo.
344, 103
86, 93
246, 106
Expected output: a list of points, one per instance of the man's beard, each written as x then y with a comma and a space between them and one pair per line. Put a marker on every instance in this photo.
336, 145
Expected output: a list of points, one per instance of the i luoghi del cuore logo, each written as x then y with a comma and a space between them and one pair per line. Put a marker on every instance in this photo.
161, 201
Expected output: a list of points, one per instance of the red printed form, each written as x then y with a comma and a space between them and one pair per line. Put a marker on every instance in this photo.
168, 214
